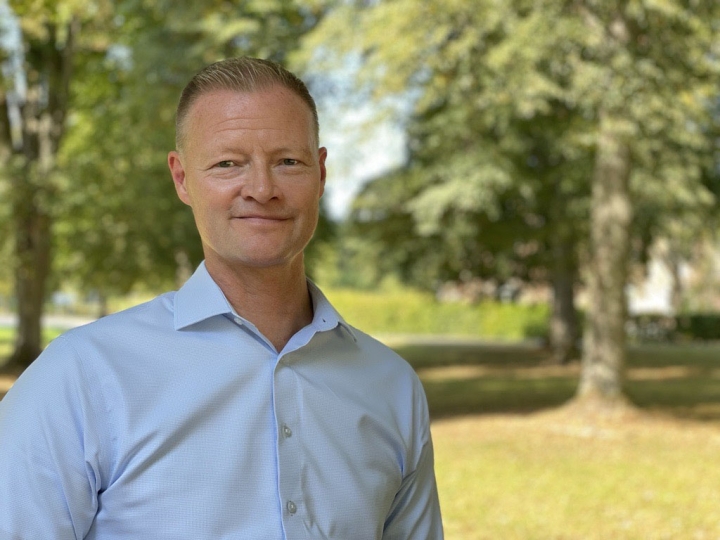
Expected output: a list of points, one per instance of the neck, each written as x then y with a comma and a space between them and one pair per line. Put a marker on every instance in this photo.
276, 300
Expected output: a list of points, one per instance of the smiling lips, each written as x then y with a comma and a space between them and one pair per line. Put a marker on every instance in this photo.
260, 219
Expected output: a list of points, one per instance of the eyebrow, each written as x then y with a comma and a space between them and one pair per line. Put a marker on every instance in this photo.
288, 150
279, 150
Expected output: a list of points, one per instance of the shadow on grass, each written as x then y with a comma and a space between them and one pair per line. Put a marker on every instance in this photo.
679, 380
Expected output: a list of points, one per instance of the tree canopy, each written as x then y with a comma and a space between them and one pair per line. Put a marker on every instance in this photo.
103, 78
588, 126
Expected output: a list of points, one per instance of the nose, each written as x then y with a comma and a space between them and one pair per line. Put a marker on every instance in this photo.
259, 185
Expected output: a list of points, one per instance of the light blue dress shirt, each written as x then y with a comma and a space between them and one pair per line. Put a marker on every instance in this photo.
177, 420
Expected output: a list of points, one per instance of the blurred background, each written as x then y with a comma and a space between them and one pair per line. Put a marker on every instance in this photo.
522, 200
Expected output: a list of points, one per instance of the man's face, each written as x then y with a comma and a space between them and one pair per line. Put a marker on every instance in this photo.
251, 170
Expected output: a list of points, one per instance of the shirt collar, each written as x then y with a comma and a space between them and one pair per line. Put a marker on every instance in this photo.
200, 298
325, 315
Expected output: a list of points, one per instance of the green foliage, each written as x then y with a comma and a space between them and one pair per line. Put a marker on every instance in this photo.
523, 115
85, 127
507, 100
699, 326
687, 326
406, 311
120, 223
317, 251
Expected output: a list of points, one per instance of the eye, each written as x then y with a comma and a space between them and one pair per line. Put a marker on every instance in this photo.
225, 164
290, 161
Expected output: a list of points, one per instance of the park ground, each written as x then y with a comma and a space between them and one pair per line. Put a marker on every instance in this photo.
513, 461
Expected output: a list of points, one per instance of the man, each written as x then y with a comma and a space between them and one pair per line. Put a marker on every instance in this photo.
242, 406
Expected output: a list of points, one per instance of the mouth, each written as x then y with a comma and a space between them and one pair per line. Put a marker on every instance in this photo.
259, 219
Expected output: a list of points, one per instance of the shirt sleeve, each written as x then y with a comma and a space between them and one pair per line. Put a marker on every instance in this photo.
415, 512
48, 456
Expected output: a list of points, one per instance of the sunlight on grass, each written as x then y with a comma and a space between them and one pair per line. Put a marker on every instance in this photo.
538, 477
539, 474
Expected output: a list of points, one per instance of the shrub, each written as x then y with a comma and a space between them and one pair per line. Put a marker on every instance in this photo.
404, 311
698, 326
686, 327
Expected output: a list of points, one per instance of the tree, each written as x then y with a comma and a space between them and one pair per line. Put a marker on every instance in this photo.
653, 83
98, 181
33, 121
110, 242
528, 228
608, 101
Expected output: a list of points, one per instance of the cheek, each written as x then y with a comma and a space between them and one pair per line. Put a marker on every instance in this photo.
207, 213
312, 208
207, 201
312, 220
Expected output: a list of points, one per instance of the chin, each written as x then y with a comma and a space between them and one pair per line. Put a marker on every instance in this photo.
266, 262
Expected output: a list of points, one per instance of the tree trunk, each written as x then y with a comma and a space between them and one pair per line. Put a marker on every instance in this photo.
33, 246
41, 107
603, 357
563, 322
676, 296
103, 309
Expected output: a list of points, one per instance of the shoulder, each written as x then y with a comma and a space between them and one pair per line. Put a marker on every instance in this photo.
119, 331
382, 371
51, 399
374, 349
71, 358
156, 312
372, 352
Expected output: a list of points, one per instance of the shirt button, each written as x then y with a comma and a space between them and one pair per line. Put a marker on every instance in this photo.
287, 431
291, 507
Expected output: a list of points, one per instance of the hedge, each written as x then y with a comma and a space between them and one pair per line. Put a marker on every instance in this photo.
415, 312
684, 327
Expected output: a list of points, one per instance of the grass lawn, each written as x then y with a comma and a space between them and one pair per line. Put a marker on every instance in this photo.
511, 464
545, 477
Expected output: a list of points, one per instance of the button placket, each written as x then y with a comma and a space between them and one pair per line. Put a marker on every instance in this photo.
287, 407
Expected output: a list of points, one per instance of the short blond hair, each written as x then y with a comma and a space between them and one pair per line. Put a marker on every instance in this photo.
242, 74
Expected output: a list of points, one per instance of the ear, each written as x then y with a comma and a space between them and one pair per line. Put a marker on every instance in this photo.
323, 171
178, 175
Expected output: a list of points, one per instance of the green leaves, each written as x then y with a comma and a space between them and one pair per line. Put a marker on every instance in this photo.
117, 219
507, 101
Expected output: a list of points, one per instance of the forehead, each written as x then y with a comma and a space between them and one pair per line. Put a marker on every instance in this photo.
274, 110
